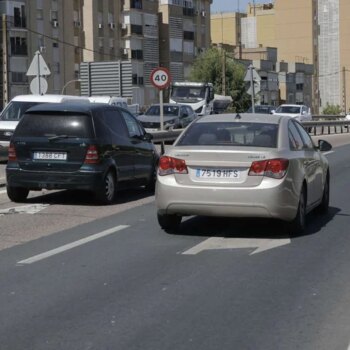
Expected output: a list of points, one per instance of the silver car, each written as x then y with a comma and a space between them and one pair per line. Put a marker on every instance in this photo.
248, 165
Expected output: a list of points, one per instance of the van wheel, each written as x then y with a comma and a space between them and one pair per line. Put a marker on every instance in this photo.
17, 194
106, 193
297, 226
169, 221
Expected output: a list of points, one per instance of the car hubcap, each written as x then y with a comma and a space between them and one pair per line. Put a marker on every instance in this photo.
109, 186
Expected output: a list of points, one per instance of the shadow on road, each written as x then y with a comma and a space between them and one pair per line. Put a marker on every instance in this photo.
86, 198
250, 228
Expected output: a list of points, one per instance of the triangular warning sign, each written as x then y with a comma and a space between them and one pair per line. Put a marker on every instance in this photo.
38, 66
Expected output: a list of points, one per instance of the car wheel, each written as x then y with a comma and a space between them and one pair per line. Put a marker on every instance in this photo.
107, 191
17, 194
297, 226
325, 197
169, 222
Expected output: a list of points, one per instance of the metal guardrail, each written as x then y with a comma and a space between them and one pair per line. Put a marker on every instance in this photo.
329, 125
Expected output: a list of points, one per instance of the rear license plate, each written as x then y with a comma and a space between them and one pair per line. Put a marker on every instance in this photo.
50, 155
217, 173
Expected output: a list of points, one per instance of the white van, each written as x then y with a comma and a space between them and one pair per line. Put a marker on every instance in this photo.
115, 101
16, 108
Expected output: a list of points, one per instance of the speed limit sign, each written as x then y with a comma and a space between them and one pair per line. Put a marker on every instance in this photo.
160, 77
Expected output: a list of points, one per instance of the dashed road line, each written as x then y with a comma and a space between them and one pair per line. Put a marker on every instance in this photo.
72, 245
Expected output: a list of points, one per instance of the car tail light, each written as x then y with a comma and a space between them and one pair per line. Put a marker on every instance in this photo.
170, 165
275, 168
92, 156
12, 156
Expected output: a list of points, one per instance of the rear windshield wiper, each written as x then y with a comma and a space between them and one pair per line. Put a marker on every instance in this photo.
60, 137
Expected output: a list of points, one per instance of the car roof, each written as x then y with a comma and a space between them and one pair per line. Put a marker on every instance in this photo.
47, 98
74, 107
241, 117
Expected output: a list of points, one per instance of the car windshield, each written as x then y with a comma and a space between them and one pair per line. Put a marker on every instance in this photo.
15, 110
230, 134
288, 109
188, 93
167, 111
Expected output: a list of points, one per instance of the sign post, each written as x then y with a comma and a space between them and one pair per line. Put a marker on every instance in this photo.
254, 79
160, 78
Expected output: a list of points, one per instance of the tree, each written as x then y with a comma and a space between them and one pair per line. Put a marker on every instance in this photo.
208, 68
331, 110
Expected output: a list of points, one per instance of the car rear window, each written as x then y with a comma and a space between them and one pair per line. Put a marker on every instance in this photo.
230, 134
40, 125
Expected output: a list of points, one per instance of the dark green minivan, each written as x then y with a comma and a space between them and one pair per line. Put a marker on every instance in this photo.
93, 147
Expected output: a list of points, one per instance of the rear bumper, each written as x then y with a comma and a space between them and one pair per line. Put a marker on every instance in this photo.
272, 199
80, 180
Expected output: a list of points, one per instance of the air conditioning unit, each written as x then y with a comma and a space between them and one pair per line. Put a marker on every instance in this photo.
111, 25
203, 13
125, 51
124, 26
76, 24
55, 23
100, 26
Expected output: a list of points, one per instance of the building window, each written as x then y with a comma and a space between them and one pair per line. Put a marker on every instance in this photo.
137, 54
136, 29
136, 4
19, 77
19, 17
300, 87
188, 36
55, 44
18, 46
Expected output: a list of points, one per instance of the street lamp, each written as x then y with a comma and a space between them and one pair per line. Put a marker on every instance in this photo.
66, 84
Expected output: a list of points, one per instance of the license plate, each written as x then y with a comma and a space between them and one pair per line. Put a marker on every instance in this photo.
50, 155
217, 173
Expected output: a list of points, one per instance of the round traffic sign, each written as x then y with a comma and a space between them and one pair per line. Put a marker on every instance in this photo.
38, 86
160, 77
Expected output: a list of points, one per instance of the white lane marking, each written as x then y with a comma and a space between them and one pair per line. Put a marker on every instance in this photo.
329, 152
3, 191
237, 243
72, 245
25, 209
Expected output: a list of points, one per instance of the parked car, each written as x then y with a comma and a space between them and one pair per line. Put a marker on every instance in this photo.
243, 166
299, 112
94, 147
176, 116
262, 109
16, 108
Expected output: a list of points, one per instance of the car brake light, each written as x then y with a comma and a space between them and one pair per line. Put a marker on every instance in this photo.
170, 165
92, 156
275, 168
12, 156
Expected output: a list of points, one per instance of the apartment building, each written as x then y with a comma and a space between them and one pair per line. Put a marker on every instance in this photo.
184, 33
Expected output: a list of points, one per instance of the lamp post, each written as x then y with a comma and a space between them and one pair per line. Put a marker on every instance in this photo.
66, 84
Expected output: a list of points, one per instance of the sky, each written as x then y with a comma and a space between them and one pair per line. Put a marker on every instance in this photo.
232, 5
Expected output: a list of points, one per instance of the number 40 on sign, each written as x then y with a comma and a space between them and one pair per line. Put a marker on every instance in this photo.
160, 77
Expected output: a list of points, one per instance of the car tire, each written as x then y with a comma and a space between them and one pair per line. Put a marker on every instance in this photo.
297, 226
169, 222
324, 205
106, 193
17, 194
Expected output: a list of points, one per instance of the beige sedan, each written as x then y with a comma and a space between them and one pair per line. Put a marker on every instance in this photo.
243, 165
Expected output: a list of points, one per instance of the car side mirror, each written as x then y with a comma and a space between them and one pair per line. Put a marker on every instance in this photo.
148, 137
324, 146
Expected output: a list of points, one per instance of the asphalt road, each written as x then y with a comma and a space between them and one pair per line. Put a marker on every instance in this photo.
132, 286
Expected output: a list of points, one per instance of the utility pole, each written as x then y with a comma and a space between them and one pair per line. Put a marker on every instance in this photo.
5, 92
344, 89
252, 86
223, 71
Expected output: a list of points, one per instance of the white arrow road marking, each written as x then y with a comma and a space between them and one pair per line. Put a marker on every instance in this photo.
25, 209
72, 245
237, 243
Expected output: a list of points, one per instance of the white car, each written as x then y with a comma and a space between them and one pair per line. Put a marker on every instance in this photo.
301, 113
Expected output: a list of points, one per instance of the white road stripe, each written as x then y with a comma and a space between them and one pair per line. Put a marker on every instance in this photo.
72, 245
329, 152
3, 191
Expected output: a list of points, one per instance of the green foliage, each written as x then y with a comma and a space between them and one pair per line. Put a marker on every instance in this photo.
208, 68
332, 110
